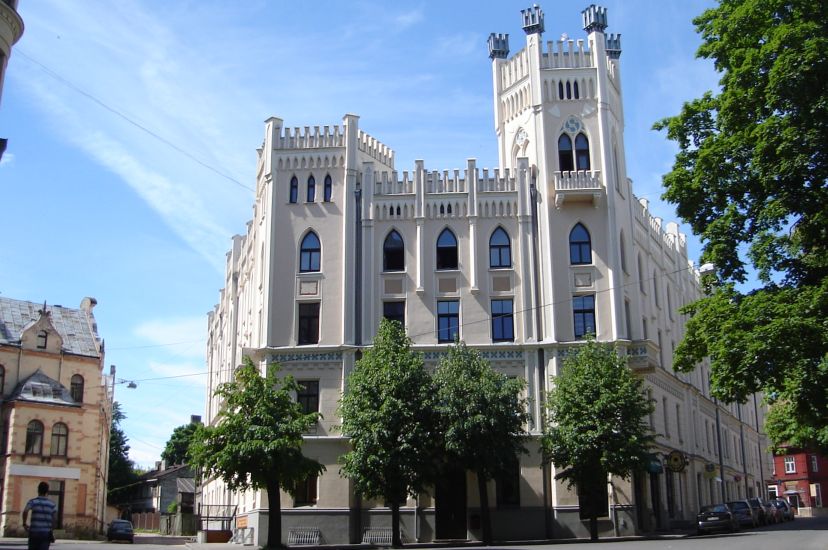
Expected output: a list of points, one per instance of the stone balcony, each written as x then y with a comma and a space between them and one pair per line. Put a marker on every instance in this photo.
577, 187
643, 356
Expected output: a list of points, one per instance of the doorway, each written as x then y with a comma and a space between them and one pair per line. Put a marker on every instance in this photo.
450, 506
55, 494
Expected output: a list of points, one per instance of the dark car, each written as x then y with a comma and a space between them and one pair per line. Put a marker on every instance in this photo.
120, 529
744, 512
716, 517
759, 510
785, 510
773, 515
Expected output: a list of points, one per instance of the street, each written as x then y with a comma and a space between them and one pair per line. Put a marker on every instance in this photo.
801, 534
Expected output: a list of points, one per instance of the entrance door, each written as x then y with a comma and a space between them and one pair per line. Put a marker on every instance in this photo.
450, 506
55, 494
655, 499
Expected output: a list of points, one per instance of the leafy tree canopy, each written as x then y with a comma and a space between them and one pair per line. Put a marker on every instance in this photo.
595, 419
482, 419
256, 441
175, 451
750, 179
387, 412
121, 468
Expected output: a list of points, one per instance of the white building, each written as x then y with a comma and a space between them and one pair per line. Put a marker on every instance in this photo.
522, 261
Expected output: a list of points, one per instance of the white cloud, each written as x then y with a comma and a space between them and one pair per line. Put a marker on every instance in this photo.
407, 19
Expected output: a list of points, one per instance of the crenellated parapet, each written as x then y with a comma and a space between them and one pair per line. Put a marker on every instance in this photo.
566, 54
532, 20
666, 235
595, 18
498, 46
375, 149
614, 46
315, 137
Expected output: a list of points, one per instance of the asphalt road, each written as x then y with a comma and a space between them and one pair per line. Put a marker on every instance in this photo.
801, 534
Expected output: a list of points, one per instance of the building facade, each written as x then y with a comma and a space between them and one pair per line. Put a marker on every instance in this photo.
55, 414
520, 262
11, 29
800, 477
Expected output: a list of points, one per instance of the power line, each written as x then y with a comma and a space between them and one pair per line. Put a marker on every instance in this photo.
156, 345
121, 115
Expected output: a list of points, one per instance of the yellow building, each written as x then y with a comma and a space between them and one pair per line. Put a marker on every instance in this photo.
56, 411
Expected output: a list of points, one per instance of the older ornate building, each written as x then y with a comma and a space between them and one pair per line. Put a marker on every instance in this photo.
521, 262
56, 413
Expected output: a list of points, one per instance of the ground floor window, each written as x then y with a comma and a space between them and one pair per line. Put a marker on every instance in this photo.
306, 492
593, 496
507, 486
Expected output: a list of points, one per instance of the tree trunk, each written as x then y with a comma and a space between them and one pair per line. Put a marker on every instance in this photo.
274, 515
396, 540
593, 526
485, 517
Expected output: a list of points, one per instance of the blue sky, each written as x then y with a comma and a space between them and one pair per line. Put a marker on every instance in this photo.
96, 205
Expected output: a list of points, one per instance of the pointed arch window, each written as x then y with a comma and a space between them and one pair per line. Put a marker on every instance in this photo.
294, 190
500, 249
447, 250
328, 191
582, 152
310, 254
34, 438
580, 246
60, 437
393, 252
2, 379
76, 388
565, 154
311, 195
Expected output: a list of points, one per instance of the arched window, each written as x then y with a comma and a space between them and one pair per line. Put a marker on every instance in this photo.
311, 196
2, 379
500, 249
582, 152
580, 247
641, 285
328, 189
623, 250
34, 438
565, 154
76, 388
393, 252
575, 86
294, 190
310, 253
568, 90
560, 90
655, 288
447, 250
60, 436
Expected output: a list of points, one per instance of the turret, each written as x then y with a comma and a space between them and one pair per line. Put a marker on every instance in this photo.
498, 46
532, 20
595, 18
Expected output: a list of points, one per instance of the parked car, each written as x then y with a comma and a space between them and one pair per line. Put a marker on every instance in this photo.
716, 517
744, 512
785, 510
759, 509
774, 516
120, 529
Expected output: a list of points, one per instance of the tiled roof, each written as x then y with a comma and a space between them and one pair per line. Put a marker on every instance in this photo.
75, 326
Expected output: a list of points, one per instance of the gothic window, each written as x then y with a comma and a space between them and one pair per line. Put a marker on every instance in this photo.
623, 251
76, 388
310, 254
500, 249
565, 160
560, 90
575, 88
328, 192
393, 252
2, 379
582, 152
60, 436
580, 246
294, 190
568, 90
34, 438
311, 189
447, 250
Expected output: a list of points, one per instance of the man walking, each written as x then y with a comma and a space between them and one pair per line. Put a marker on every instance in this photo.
43, 519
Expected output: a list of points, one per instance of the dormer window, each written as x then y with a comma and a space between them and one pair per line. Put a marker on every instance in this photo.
42, 339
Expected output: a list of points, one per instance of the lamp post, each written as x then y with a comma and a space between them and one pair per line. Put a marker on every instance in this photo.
709, 269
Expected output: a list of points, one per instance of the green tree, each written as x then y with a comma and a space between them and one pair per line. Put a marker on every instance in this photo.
175, 451
482, 420
750, 179
387, 413
256, 441
595, 424
121, 468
